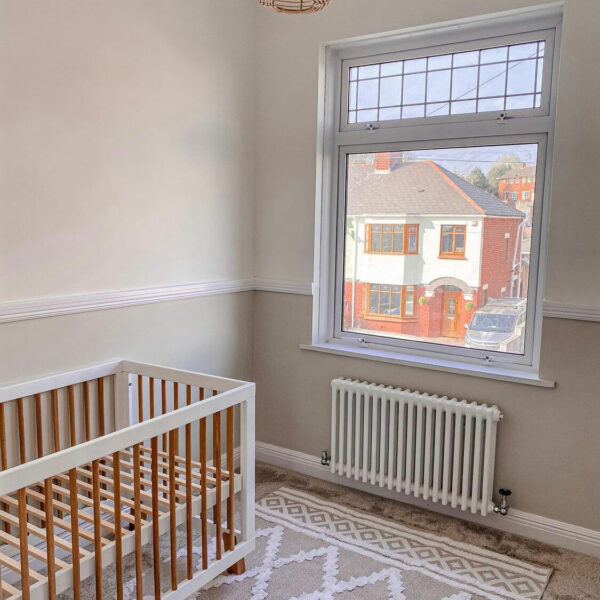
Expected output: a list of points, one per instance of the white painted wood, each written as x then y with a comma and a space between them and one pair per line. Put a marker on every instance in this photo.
59, 380
283, 287
38, 308
51, 307
221, 384
127, 433
69, 458
247, 466
380, 354
543, 529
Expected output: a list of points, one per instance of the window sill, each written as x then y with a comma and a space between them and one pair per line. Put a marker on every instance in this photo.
445, 366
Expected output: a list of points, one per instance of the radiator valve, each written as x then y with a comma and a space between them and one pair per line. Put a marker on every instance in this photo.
325, 458
503, 508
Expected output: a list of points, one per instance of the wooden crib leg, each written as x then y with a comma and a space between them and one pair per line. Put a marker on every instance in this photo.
238, 568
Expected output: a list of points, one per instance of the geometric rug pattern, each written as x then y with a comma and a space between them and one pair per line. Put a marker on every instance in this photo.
471, 569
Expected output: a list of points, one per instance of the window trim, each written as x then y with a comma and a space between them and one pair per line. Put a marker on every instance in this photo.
454, 254
405, 252
334, 145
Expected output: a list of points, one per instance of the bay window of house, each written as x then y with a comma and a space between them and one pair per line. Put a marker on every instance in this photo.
419, 134
390, 301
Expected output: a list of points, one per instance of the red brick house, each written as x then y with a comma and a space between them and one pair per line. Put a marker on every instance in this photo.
427, 249
517, 188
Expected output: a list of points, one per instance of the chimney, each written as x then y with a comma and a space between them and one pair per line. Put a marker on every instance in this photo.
383, 162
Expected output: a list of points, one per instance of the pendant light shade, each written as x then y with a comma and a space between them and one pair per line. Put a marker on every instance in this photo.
295, 6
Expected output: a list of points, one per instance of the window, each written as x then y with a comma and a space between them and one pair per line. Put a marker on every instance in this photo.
475, 81
390, 301
525, 195
418, 236
392, 239
453, 241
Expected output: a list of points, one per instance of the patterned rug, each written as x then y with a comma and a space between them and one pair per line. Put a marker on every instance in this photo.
310, 549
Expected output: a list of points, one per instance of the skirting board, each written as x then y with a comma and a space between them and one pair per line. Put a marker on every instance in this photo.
542, 529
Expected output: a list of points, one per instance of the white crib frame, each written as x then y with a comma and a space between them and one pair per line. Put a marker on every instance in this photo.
231, 393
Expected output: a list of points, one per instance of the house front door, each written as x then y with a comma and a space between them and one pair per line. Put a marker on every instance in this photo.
450, 313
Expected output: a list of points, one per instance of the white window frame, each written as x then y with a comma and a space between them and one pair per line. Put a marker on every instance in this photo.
337, 139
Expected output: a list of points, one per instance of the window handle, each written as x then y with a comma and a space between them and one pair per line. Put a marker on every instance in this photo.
503, 118
370, 127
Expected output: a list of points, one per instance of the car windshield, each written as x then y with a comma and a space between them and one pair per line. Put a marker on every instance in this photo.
493, 322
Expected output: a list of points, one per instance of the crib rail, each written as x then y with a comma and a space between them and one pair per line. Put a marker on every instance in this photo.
135, 452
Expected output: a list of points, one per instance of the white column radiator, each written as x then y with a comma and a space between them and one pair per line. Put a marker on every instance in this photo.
432, 447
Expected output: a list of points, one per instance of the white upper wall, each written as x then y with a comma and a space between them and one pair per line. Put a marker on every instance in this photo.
127, 144
287, 51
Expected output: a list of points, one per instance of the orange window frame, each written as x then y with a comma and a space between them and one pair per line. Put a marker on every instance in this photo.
403, 228
453, 253
404, 293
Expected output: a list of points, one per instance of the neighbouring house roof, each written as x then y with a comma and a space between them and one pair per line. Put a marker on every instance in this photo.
419, 188
519, 172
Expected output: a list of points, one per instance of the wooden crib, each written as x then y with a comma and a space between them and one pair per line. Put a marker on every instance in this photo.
99, 462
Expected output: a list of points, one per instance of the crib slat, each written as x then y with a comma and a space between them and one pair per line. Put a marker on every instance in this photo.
38, 426
50, 537
55, 426
86, 409
172, 507
138, 520
75, 534
21, 425
217, 517
188, 488
101, 406
72, 428
23, 539
97, 531
163, 389
230, 470
155, 515
202, 442
117, 517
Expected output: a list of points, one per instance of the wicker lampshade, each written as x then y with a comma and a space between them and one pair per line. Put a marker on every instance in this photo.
295, 6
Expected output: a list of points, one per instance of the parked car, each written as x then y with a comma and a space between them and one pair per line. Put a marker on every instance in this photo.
499, 325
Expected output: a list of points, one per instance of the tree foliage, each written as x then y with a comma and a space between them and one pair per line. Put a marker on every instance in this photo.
502, 166
476, 177
499, 168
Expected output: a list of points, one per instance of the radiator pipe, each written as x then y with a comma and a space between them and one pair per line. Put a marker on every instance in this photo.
325, 458
503, 508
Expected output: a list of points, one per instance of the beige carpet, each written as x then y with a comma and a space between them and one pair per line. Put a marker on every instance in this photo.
311, 549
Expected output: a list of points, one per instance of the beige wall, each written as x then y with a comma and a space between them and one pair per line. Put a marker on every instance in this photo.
287, 116
126, 161
127, 144
548, 442
549, 447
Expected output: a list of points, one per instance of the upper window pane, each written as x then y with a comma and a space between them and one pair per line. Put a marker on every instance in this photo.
477, 81
438, 245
